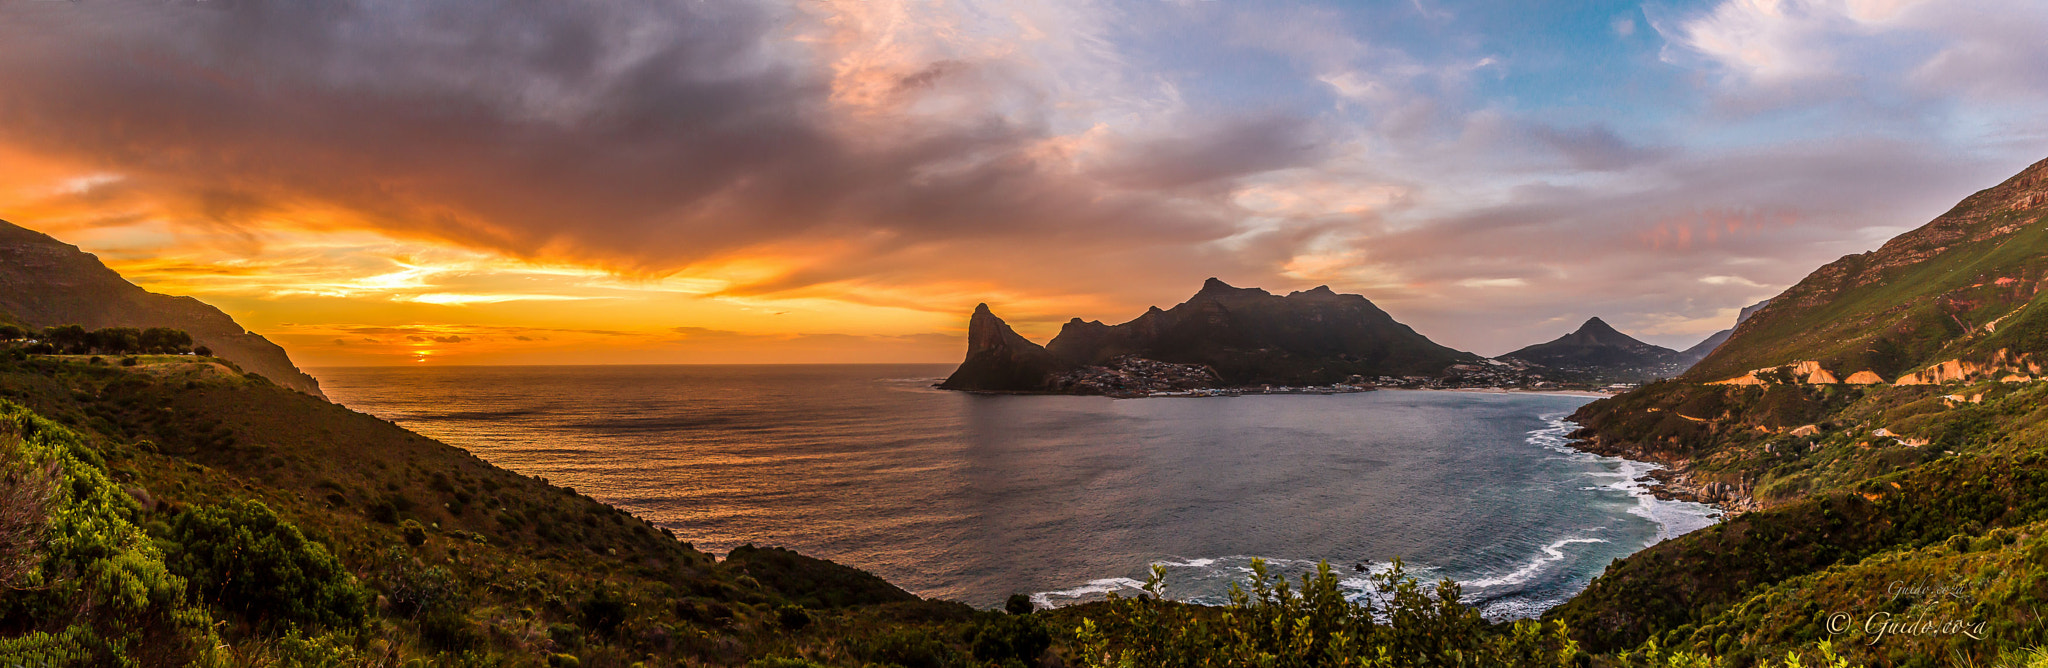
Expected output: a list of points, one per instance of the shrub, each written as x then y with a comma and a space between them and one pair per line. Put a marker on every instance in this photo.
100, 593
1018, 637
334, 650
245, 558
415, 535
909, 648
414, 588
382, 511
784, 662
448, 629
25, 490
1270, 623
792, 617
604, 611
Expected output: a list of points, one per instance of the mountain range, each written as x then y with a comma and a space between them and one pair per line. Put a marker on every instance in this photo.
172, 514
1222, 336
1225, 337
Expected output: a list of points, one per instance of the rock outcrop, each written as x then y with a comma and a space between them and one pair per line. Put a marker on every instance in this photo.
1000, 360
46, 282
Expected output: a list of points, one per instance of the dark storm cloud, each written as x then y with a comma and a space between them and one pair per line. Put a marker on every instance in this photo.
638, 135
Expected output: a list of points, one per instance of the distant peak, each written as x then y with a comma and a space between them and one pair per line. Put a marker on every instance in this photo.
1598, 331
1215, 287
982, 308
1595, 324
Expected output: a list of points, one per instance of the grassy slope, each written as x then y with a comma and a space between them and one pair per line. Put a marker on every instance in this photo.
1921, 299
535, 569
1955, 487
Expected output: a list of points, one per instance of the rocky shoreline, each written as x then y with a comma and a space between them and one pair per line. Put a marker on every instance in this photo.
1186, 392
1676, 481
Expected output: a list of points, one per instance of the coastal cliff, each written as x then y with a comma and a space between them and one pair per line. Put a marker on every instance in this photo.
45, 282
999, 360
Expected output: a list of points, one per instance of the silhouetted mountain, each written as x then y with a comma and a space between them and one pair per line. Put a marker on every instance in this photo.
46, 282
1602, 350
1000, 360
1238, 336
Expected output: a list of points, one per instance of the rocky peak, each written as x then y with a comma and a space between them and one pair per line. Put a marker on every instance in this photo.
984, 330
1215, 288
999, 359
1598, 332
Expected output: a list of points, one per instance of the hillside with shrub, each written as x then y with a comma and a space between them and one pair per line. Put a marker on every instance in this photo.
160, 519
1881, 426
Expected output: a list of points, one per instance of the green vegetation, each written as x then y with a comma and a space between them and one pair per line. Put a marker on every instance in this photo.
156, 519
100, 594
76, 340
1399, 622
165, 510
1953, 490
243, 557
1963, 287
175, 513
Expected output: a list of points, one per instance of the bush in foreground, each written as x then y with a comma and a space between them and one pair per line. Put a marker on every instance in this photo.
244, 558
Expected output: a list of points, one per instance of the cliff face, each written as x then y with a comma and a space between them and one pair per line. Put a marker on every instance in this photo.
1243, 336
1965, 286
46, 282
1000, 360
1598, 347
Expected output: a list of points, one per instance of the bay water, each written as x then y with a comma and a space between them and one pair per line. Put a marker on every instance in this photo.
973, 497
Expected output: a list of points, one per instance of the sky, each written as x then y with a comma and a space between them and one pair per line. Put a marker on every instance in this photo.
721, 181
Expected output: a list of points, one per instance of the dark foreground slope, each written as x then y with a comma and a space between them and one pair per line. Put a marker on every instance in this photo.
1920, 503
371, 546
1234, 336
45, 282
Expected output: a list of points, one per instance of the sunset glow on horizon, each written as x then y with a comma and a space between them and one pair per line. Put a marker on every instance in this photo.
402, 183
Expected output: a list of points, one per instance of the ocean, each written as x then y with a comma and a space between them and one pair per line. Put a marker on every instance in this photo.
974, 497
